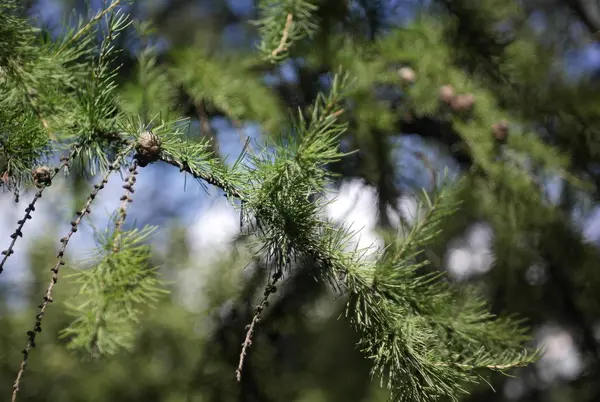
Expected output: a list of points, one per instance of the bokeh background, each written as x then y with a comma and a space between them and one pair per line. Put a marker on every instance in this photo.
187, 348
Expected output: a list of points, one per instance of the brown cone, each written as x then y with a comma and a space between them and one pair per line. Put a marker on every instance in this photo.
147, 148
447, 94
463, 103
500, 130
407, 75
42, 176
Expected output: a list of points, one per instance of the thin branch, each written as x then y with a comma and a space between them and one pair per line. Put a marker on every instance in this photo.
255, 320
183, 167
125, 200
29, 94
39, 114
246, 345
284, 37
31, 207
37, 327
205, 128
499, 367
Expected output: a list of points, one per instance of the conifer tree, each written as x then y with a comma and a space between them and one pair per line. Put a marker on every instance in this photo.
425, 337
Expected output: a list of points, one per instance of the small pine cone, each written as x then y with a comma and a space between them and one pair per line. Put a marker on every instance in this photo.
500, 131
147, 149
463, 103
42, 176
447, 94
407, 75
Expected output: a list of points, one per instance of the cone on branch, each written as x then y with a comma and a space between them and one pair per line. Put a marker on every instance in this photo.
147, 149
447, 94
500, 131
407, 75
42, 176
463, 103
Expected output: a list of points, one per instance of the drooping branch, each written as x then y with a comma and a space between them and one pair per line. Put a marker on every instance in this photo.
42, 179
270, 289
122, 215
47, 299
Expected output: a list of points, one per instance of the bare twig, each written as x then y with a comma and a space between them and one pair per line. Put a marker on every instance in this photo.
270, 289
228, 189
284, 37
205, 128
246, 345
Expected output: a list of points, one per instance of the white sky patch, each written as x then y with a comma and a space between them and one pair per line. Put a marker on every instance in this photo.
471, 254
214, 228
409, 208
355, 205
211, 234
561, 359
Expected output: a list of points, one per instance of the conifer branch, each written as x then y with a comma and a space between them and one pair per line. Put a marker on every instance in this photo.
208, 178
112, 290
29, 93
122, 215
47, 299
277, 35
66, 161
38, 112
84, 29
125, 200
494, 367
119, 279
421, 343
